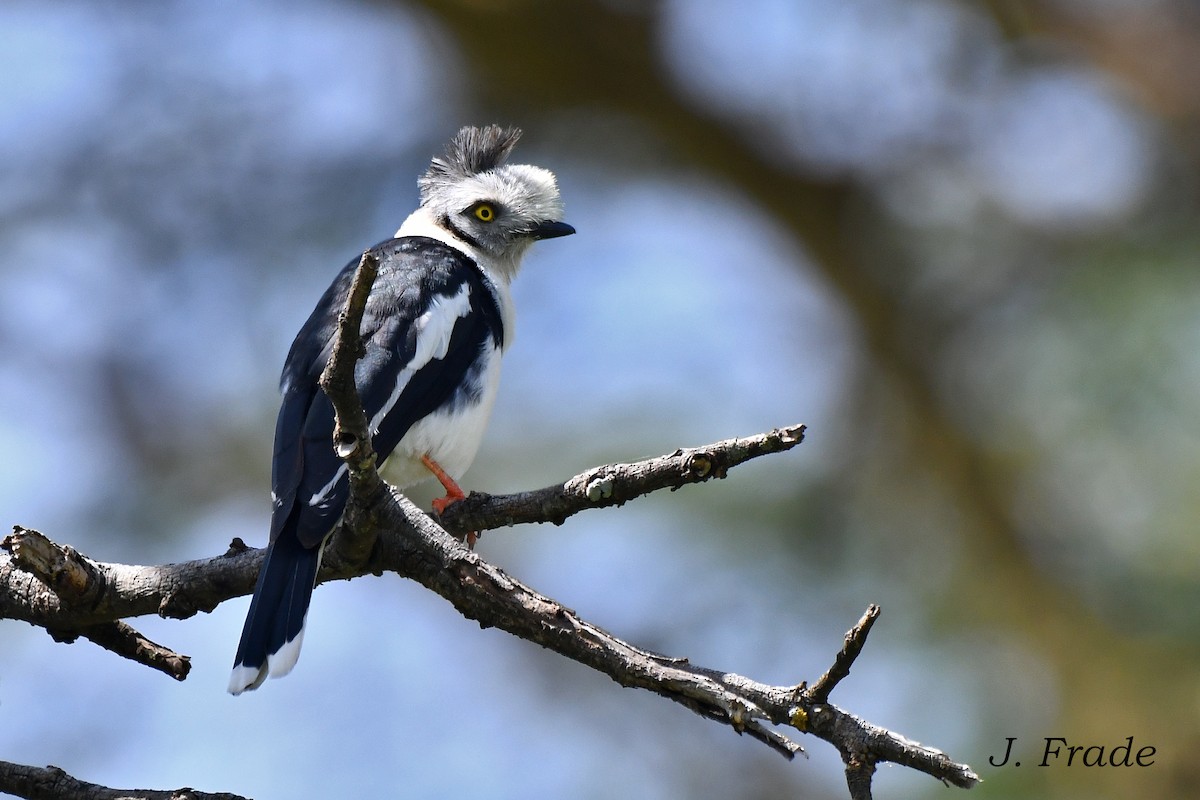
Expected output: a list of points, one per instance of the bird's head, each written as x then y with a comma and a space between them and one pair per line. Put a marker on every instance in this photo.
499, 209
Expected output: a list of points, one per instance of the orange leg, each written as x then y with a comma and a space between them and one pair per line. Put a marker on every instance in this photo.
454, 493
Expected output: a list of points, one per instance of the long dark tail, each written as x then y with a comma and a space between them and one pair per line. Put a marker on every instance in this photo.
274, 628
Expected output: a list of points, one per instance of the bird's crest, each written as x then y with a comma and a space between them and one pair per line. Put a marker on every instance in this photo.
471, 151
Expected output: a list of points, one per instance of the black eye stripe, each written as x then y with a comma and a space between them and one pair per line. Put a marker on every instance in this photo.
446, 222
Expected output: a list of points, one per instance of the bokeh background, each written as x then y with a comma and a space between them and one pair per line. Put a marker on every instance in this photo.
957, 239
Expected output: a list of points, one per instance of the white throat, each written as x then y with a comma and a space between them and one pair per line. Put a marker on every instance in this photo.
422, 223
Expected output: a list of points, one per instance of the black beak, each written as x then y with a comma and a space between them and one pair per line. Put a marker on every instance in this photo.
550, 230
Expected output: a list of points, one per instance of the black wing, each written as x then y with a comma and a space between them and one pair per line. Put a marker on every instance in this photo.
400, 379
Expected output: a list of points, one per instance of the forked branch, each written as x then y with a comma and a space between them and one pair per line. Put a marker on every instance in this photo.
71, 595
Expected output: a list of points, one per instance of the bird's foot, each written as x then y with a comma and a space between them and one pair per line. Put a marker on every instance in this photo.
442, 503
454, 493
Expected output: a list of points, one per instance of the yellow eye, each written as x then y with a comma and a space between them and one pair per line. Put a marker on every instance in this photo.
485, 212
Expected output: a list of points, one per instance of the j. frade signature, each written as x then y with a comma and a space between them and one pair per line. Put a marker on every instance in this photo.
1058, 751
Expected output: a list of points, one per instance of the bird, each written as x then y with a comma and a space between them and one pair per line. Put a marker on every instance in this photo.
436, 323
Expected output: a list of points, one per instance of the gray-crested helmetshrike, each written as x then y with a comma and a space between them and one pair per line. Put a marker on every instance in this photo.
438, 319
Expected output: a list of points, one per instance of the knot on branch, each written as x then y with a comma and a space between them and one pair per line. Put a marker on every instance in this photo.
600, 487
699, 466
179, 605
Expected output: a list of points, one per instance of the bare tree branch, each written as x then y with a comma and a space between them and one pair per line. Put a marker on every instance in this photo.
859, 774
743, 704
112, 592
411, 544
120, 638
351, 436
63, 574
855, 639
62, 590
615, 484
51, 783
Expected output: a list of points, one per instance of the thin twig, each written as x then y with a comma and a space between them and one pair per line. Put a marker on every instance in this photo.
120, 638
615, 484
851, 647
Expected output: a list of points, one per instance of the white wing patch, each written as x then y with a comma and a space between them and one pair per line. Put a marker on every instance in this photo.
436, 325
434, 329
324, 491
